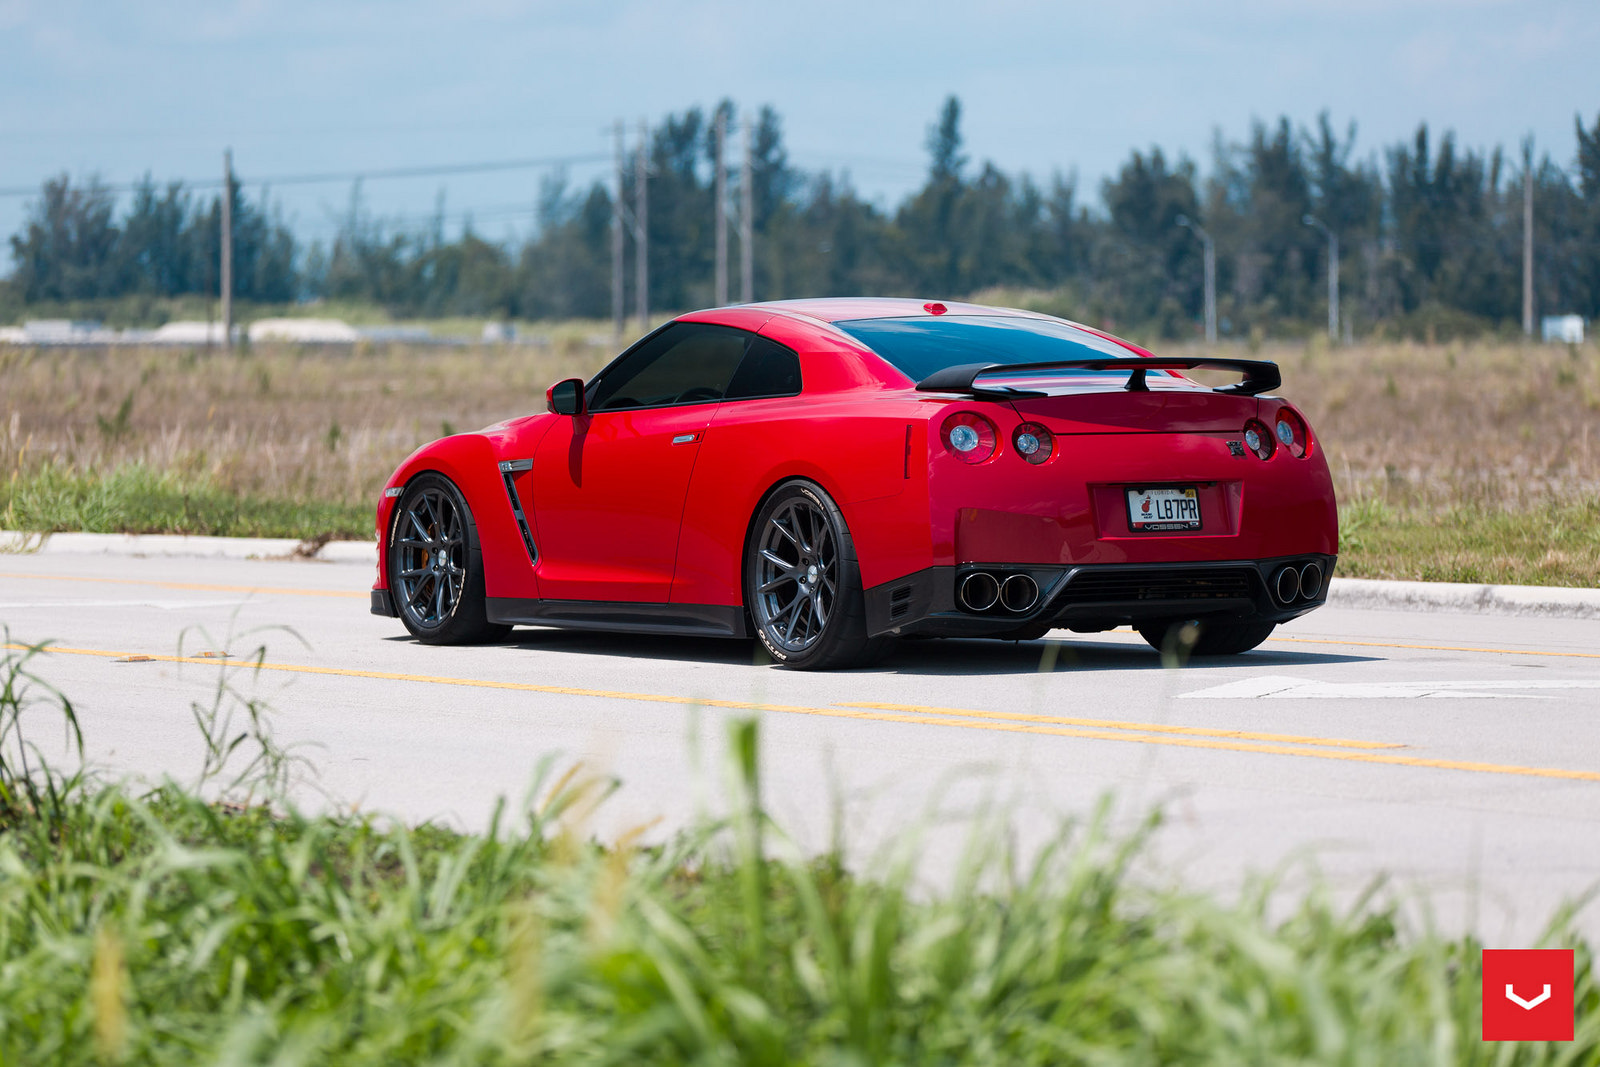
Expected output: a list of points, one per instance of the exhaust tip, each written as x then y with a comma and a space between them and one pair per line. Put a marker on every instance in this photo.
1310, 581
1287, 585
1019, 593
978, 591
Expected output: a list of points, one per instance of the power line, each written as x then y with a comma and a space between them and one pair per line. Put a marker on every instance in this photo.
353, 175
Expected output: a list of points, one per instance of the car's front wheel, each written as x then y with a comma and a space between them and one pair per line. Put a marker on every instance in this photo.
1189, 637
436, 566
803, 583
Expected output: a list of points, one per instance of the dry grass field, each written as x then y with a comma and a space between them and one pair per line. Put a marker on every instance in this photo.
1472, 462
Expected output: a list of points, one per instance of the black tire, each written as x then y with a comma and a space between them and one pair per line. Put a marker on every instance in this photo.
1210, 638
436, 566
802, 583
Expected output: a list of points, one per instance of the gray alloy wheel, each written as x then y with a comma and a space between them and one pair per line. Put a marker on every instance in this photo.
797, 575
436, 566
803, 584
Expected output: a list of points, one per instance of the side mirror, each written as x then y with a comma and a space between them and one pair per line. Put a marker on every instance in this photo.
566, 397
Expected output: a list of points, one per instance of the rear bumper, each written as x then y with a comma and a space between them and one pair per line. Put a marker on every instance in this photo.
1093, 597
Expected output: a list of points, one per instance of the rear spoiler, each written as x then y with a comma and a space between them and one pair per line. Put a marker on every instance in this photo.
1259, 375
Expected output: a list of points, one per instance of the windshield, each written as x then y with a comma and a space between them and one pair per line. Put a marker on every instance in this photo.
920, 346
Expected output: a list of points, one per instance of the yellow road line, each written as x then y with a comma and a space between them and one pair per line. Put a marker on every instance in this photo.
1138, 727
1435, 648
1343, 755
200, 586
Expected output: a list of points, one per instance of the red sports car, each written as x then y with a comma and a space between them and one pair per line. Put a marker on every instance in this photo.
826, 475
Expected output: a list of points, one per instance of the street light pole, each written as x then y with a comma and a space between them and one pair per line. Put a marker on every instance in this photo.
1211, 274
1333, 274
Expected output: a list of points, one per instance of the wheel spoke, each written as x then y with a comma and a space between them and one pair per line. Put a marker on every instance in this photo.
778, 561
422, 531
778, 615
794, 617
773, 583
778, 525
803, 520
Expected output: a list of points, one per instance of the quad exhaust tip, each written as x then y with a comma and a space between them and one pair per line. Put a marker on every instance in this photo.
1298, 583
1019, 593
1287, 585
978, 591
981, 592
1310, 581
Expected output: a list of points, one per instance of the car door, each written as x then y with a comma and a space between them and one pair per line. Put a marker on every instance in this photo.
609, 485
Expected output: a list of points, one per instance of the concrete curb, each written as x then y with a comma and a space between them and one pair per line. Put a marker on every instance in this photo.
174, 546
1547, 600
1550, 601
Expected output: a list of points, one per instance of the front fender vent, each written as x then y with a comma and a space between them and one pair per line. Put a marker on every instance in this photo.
508, 469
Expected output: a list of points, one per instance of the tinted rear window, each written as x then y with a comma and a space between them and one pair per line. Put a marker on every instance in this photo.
768, 369
920, 346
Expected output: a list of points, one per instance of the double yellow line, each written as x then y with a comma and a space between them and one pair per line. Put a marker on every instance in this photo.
1327, 748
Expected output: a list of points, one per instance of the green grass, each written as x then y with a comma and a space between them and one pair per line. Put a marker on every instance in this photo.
154, 927
1548, 544
139, 499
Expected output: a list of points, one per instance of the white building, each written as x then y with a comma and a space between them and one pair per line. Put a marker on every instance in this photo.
1563, 329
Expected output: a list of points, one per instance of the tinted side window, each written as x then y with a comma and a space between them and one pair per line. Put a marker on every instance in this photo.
768, 369
686, 363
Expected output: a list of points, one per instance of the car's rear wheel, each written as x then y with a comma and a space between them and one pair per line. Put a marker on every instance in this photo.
1204, 637
436, 566
803, 583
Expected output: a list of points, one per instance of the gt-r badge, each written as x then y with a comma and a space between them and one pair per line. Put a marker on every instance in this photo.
1236, 447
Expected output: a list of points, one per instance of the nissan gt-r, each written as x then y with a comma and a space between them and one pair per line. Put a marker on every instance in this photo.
827, 475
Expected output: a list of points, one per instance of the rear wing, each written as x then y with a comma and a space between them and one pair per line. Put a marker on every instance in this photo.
1259, 375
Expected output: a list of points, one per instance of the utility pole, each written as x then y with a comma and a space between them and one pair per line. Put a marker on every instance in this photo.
721, 209
1527, 235
227, 248
747, 200
641, 223
1333, 274
619, 211
1211, 274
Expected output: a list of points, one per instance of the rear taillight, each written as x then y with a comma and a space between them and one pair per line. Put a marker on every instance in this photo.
1292, 433
969, 437
1259, 439
1033, 442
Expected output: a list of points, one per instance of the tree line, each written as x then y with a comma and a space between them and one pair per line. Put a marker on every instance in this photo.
1430, 231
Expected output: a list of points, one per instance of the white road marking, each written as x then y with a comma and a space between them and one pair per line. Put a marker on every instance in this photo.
1275, 686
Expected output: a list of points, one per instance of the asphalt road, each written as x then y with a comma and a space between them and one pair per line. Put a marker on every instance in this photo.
1456, 754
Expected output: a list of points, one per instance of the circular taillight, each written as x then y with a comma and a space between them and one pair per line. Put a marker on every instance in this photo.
969, 436
1291, 430
1258, 439
1033, 442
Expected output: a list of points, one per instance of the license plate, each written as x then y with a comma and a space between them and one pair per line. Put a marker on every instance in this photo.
1158, 510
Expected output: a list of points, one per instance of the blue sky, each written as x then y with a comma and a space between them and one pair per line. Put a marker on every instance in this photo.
294, 86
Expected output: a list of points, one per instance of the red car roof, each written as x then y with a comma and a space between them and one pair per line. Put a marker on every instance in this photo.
842, 308
832, 309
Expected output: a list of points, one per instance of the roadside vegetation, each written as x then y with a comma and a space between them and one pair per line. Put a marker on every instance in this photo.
212, 922
1452, 462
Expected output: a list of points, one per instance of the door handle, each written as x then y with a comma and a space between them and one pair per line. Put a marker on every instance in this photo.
686, 438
